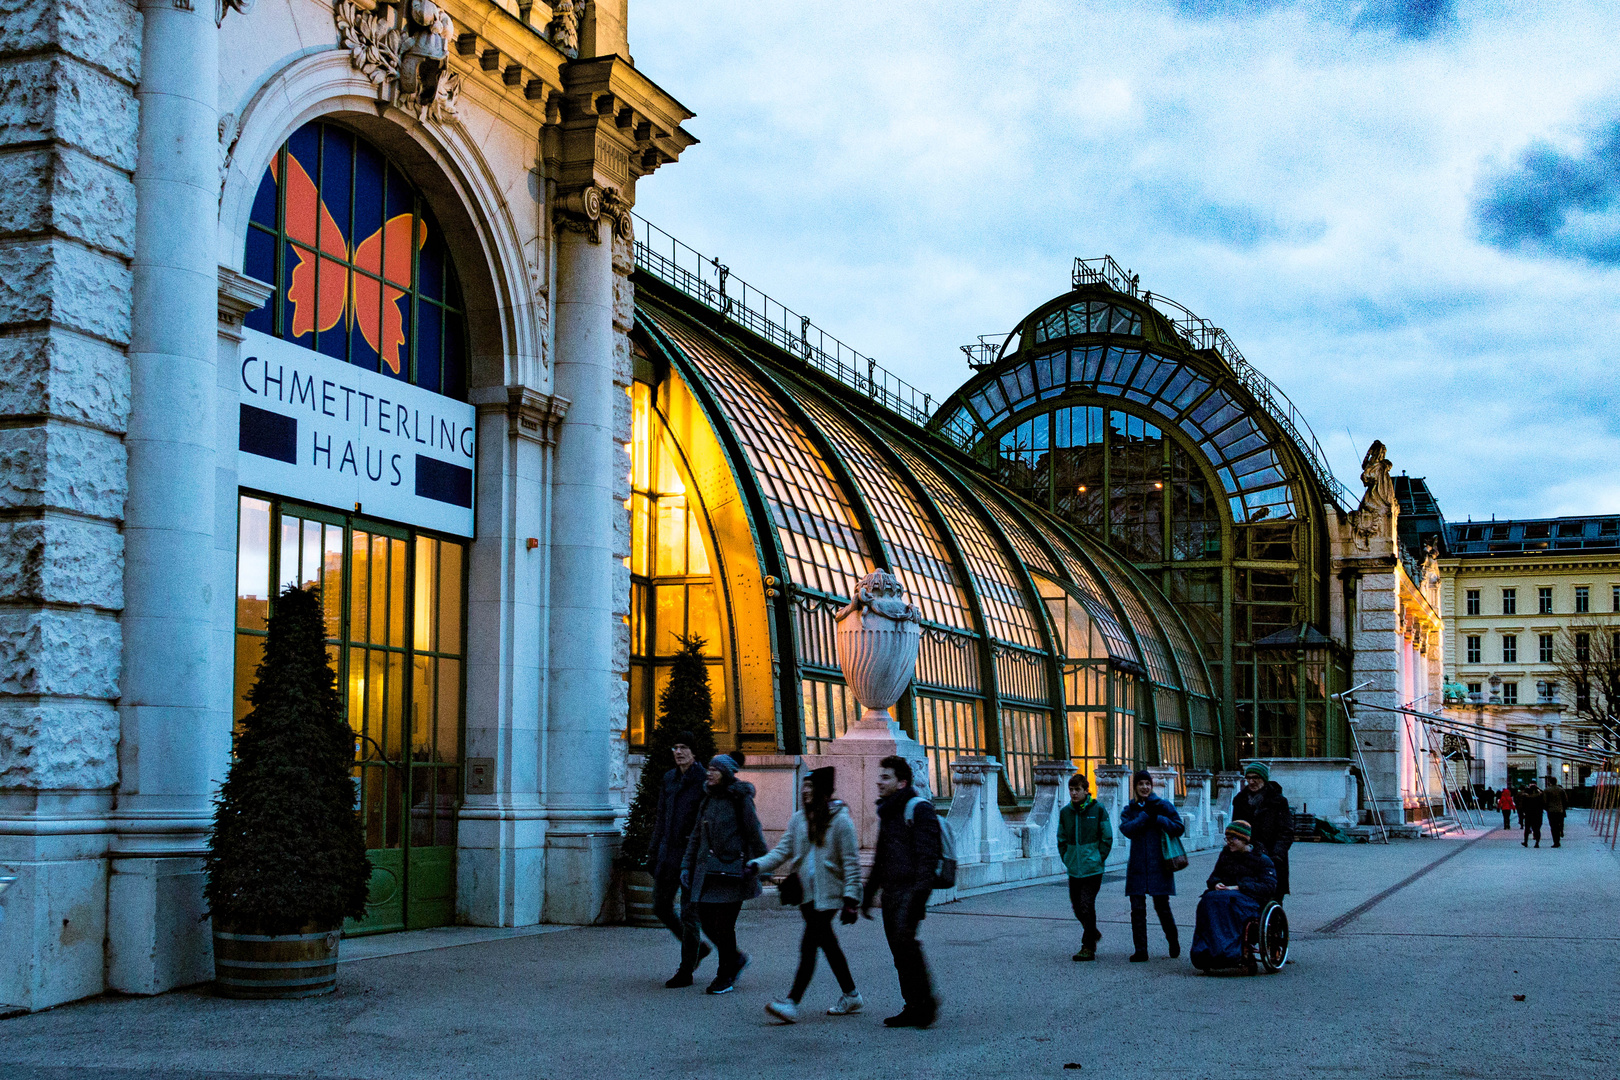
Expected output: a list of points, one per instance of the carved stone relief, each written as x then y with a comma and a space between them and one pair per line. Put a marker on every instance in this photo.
401, 46
583, 211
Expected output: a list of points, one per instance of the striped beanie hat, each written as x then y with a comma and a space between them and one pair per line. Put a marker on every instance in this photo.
1240, 828
1257, 768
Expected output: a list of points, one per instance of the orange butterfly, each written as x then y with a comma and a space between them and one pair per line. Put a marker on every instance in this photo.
342, 290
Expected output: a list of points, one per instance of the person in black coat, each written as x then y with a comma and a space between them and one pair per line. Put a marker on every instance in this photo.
908, 853
1147, 820
716, 867
1531, 803
678, 803
1261, 803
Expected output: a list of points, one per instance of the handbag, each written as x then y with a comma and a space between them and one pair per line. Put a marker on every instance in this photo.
790, 890
1175, 854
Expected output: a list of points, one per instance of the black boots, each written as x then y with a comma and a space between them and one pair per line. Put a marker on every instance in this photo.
1139, 934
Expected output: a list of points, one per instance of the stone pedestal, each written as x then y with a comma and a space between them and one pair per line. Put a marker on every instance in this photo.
1051, 793
1196, 808
1326, 787
856, 754
982, 835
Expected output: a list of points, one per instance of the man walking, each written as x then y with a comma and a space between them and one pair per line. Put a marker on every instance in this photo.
1557, 800
1531, 803
908, 851
1084, 839
1504, 803
678, 803
1261, 803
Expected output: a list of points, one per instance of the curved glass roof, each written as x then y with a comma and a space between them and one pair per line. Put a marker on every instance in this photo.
1055, 351
847, 487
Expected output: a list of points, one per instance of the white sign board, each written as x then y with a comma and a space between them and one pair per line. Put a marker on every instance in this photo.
329, 433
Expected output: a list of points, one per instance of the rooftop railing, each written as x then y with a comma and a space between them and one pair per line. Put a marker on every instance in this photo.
1200, 333
712, 284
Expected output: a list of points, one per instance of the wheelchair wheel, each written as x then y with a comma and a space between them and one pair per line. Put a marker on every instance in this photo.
1273, 937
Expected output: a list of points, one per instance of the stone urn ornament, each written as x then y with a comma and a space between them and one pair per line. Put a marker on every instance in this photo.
877, 645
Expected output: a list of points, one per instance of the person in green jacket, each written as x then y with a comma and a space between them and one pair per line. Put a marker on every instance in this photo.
1084, 839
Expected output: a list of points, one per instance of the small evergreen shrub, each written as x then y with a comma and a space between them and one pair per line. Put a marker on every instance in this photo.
287, 849
685, 705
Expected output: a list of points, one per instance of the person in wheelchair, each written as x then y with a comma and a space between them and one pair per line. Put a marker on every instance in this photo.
1243, 881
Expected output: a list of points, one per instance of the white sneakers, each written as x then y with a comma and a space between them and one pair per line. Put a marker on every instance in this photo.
787, 1012
849, 1003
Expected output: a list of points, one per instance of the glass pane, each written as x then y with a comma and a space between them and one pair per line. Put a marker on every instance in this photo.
357, 702
377, 718
427, 566
669, 614
310, 568
697, 559
253, 564
703, 617
450, 555
379, 590
448, 798
422, 709
395, 717
359, 585
671, 537
640, 510
332, 580
249, 651
717, 695
289, 553
448, 716
396, 593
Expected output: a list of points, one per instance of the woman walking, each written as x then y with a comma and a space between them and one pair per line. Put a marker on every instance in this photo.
716, 868
1147, 820
819, 849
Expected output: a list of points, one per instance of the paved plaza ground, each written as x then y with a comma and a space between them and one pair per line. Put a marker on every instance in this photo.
1422, 983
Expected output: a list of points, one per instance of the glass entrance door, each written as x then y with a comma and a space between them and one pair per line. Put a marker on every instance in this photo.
393, 602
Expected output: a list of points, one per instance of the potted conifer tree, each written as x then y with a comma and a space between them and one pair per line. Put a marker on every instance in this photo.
685, 704
286, 860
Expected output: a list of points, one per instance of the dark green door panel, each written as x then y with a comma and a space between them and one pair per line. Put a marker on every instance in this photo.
431, 887
385, 902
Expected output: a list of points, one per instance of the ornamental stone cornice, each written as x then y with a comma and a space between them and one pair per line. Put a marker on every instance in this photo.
239, 295
612, 125
530, 414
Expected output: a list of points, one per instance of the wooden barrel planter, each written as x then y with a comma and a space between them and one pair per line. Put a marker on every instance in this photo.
638, 899
275, 966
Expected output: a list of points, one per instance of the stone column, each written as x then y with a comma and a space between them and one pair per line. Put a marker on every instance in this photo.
586, 705
68, 123
1164, 783
173, 746
500, 862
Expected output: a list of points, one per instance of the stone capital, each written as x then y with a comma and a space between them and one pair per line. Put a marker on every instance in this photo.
974, 770
534, 416
238, 296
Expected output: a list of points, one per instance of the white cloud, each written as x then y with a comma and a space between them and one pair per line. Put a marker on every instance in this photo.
912, 177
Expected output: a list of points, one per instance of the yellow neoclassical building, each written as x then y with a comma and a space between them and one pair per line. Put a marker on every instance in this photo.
1518, 598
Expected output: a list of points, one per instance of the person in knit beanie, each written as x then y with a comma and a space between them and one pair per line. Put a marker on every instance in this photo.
1261, 803
1146, 821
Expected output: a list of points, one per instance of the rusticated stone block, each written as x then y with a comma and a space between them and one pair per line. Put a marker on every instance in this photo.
106, 33
56, 745
58, 190
624, 304
621, 589
621, 536
53, 97
55, 281
621, 647
623, 424
62, 560
53, 372
62, 653
63, 466
623, 360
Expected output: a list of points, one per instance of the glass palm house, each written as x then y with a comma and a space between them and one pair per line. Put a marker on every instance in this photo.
1118, 551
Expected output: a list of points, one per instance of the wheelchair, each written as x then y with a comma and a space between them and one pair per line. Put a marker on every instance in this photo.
1265, 940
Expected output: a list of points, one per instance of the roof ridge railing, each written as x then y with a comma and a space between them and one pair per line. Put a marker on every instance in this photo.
712, 284
1200, 333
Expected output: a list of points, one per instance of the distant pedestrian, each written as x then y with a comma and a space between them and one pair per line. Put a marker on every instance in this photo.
716, 870
1084, 840
1557, 800
820, 852
1531, 803
1518, 805
678, 803
1147, 820
1504, 803
908, 852
1261, 803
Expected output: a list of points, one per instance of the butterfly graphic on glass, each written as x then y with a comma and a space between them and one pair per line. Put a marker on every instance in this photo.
320, 300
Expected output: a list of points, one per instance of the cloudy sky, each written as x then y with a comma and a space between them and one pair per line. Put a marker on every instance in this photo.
1405, 212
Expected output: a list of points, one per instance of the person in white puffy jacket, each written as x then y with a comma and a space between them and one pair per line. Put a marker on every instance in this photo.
820, 850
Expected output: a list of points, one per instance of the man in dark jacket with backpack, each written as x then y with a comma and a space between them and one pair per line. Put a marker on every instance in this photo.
678, 803
909, 848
